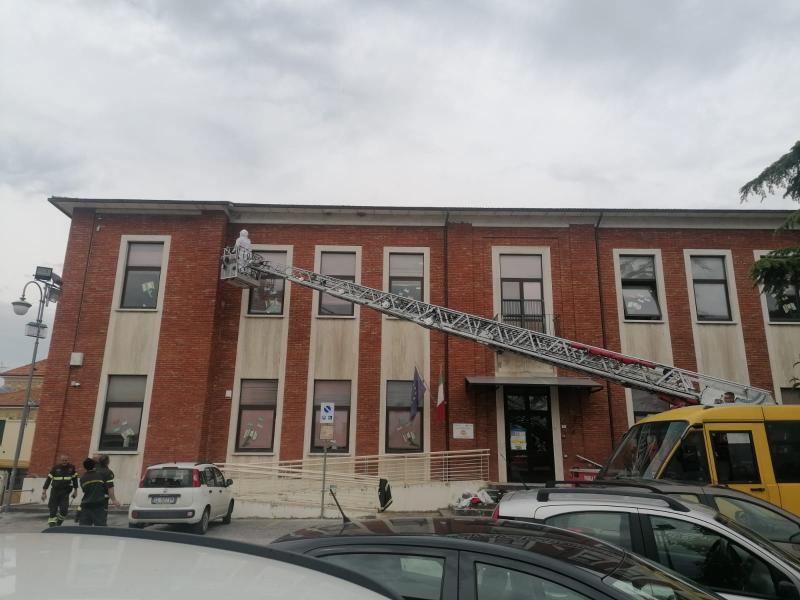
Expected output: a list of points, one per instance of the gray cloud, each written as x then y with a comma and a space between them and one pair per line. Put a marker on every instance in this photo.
504, 103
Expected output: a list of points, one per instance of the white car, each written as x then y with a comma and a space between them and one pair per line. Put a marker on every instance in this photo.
187, 493
123, 564
691, 539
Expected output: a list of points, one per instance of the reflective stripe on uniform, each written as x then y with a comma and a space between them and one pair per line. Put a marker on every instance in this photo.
65, 478
85, 483
50, 475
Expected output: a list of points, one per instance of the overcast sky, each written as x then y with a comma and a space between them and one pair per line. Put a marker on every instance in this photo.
499, 103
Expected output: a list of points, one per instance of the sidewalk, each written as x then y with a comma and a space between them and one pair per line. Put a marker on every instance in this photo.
37, 508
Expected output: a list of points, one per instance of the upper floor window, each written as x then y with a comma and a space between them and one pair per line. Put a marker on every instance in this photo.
407, 275
341, 265
267, 298
142, 275
786, 307
710, 288
639, 287
122, 418
521, 290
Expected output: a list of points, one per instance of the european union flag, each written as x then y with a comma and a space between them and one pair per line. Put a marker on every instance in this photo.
417, 394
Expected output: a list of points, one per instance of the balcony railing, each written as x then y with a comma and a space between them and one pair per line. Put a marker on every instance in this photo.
529, 314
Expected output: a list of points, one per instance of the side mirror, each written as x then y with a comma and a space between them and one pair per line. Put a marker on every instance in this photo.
228, 482
787, 590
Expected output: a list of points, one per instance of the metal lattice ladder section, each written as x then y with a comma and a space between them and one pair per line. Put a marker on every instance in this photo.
243, 268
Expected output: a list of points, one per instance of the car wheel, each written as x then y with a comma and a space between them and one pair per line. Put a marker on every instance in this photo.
202, 525
136, 525
226, 520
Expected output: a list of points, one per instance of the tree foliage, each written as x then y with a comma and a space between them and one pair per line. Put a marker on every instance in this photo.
779, 268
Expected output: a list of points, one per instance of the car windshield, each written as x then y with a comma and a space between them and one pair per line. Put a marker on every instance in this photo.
639, 580
644, 449
759, 540
168, 477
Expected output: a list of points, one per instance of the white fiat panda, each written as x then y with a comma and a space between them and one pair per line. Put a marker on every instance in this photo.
192, 494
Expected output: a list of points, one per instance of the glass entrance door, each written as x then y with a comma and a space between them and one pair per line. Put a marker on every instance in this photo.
529, 434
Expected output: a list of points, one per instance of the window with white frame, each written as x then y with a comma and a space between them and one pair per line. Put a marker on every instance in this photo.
341, 265
521, 294
122, 417
337, 392
267, 298
255, 429
790, 395
646, 404
785, 308
710, 284
639, 287
403, 433
407, 275
142, 275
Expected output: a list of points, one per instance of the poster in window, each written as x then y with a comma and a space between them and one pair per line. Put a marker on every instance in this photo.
404, 434
518, 440
255, 429
122, 427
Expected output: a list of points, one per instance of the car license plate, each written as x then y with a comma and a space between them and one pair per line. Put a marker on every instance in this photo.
163, 499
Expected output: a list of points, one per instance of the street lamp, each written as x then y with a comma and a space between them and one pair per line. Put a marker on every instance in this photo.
49, 286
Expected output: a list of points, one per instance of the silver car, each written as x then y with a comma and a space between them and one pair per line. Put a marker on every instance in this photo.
691, 539
122, 564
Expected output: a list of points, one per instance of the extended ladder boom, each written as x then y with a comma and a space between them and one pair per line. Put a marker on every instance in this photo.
243, 268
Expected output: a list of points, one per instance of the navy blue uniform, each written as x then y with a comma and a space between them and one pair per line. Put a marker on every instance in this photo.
62, 479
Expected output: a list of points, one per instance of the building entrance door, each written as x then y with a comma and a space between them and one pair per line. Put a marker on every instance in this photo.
529, 434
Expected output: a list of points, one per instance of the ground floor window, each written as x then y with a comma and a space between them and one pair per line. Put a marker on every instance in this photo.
403, 432
646, 404
338, 393
122, 418
256, 424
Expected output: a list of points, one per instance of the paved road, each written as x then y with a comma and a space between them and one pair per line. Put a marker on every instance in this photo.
255, 531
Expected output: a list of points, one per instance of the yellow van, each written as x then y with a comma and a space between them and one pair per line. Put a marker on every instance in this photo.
754, 449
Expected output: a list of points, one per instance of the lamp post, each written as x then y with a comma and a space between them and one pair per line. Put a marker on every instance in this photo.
49, 286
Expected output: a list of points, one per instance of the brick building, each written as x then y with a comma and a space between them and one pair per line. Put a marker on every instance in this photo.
177, 365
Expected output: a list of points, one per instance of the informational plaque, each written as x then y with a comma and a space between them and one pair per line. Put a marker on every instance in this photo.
463, 431
326, 433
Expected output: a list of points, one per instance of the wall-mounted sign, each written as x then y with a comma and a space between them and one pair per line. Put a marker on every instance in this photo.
326, 412
463, 431
327, 433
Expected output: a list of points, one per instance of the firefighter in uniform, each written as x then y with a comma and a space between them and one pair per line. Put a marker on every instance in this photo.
93, 504
64, 479
107, 475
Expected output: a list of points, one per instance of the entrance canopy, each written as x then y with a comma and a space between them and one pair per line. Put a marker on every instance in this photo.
574, 382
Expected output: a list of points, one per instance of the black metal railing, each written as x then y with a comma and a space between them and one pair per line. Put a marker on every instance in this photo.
529, 314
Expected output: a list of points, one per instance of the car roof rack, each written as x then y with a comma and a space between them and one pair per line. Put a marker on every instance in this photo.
543, 495
604, 483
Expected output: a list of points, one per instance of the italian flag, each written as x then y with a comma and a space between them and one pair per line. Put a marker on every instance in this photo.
440, 399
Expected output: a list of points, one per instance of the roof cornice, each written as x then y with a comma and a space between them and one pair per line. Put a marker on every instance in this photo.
437, 216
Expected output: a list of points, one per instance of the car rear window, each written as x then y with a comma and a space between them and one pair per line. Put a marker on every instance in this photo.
168, 477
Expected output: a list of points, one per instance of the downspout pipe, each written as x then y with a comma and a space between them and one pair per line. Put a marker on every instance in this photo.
446, 337
603, 321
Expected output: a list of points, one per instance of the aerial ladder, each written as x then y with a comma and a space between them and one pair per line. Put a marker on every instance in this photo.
246, 269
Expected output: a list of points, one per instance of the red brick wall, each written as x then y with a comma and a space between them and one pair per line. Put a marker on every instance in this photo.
55, 390
180, 388
197, 348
